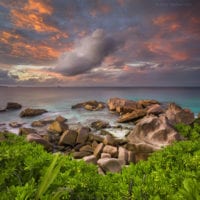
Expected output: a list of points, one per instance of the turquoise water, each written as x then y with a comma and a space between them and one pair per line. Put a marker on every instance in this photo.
59, 100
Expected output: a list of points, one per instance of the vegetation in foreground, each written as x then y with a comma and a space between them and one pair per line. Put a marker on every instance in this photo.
29, 172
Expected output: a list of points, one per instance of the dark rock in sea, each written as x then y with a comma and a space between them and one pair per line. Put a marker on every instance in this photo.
30, 112
15, 124
176, 114
99, 124
90, 105
13, 106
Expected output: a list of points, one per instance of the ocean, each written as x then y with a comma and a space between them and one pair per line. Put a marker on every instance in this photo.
58, 100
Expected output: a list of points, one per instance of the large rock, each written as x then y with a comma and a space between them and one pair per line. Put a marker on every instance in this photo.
57, 127
38, 139
83, 134
112, 150
152, 133
30, 112
68, 138
13, 106
80, 154
110, 165
99, 124
134, 115
90, 105
90, 159
176, 114
122, 105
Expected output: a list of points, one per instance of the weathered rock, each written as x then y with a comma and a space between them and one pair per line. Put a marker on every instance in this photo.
15, 124
105, 155
109, 139
147, 102
122, 105
176, 114
38, 139
57, 127
90, 159
37, 124
132, 116
13, 106
95, 137
110, 165
90, 105
87, 148
60, 119
111, 150
68, 138
80, 154
123, 156
98, 150
99, 124
30, 112
154, 132
26, 131
83, 134
155, 109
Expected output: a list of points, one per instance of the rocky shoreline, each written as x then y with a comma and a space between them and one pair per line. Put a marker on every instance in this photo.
152, 128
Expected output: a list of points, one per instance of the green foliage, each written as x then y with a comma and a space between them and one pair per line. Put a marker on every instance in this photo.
29, 172
189, 132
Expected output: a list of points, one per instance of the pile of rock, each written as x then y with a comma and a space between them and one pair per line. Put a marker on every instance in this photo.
90, 105
133, 110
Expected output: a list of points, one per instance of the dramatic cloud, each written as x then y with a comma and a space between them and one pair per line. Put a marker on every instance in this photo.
101, 42
87, 54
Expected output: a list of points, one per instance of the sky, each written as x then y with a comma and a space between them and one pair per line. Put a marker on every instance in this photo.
100, 42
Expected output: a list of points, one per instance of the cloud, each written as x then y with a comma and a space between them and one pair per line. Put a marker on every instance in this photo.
89, 52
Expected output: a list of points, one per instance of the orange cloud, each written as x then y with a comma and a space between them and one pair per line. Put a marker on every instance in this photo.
162, 47
31, 21
40, 7
22, 48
